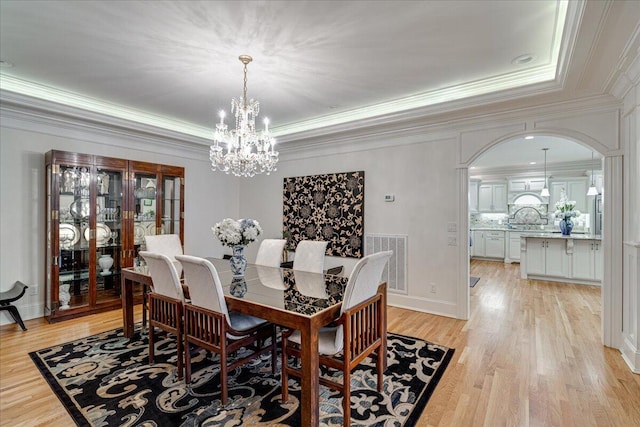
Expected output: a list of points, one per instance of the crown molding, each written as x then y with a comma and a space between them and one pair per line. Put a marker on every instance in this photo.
41, 116
33, 92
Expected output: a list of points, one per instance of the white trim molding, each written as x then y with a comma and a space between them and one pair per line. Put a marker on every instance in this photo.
612, 248
631, 322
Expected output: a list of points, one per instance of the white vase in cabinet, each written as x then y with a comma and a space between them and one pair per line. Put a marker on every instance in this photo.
105, 262
64, 296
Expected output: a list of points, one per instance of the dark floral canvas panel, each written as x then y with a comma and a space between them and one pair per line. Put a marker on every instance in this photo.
326, 207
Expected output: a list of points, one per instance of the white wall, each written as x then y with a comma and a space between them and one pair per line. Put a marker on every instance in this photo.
209, 196
421, 175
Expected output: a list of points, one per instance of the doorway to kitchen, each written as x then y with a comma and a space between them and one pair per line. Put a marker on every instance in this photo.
514, 188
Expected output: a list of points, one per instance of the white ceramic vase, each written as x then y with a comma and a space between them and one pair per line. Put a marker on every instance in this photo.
64, 296
105, 262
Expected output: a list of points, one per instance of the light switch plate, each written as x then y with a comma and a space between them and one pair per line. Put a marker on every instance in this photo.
389, 197
452, 227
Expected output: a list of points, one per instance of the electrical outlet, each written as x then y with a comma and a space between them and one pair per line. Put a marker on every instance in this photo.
433, 288
452, 241
33, 289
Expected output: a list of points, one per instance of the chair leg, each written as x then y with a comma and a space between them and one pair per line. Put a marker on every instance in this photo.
223, 376
187, 362
379, 365
180, 355
283, 370
144, 306
15, 314
346, 398
151, 343
274, 350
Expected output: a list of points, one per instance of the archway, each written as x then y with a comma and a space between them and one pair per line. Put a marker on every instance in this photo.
611, 291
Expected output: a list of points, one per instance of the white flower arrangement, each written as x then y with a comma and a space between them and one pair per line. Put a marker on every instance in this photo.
565, 209
233, 232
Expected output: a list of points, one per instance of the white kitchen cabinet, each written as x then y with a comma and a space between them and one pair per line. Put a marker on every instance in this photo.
488, 244
576, 189
477, 248
494, 244
492, 197
586, 261
598, 261
521, 185
513, 246
547, 257
473, 195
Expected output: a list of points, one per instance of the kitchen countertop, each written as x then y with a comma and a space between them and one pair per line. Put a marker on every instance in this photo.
536, 232
519, 230
560, 236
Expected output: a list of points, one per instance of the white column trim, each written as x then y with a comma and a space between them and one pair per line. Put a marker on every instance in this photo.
463, 294
631, 325
613, 253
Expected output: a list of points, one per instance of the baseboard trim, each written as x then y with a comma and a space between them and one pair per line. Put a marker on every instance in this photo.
423, 304
631, 355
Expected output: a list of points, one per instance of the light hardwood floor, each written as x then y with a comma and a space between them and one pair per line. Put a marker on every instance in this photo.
530, 355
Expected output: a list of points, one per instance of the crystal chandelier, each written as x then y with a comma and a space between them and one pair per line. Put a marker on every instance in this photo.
248, 152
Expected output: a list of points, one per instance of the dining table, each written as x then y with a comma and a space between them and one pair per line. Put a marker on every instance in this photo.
290, 298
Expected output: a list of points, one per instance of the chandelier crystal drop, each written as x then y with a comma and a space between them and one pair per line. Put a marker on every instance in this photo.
246, 153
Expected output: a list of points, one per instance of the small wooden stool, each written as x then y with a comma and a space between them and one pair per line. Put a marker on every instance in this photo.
13, 294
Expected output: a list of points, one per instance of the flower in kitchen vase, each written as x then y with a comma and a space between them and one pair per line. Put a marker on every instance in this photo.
565, 210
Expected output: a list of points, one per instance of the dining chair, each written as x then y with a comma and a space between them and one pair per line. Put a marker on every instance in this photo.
270, 252
210, 325
309, 256
166, 244
355, 335
166, 302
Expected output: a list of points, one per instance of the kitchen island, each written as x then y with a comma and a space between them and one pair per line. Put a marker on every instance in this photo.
576, 258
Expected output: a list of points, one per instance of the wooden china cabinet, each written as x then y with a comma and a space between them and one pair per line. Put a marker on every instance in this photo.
98, 211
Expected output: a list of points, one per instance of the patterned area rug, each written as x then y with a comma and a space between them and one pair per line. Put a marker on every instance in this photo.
105, 380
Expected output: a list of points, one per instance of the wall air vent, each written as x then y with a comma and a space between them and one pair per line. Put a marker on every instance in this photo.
395, 273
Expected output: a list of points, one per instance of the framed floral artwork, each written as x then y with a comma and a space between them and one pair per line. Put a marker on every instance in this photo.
326, 207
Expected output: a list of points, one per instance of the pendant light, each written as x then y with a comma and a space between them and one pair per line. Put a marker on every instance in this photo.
593, 191
545, 190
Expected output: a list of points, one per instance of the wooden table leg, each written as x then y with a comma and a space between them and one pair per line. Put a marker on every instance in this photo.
384, 328
127, 307
310, 401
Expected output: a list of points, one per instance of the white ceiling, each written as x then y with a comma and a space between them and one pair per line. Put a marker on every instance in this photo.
173, 64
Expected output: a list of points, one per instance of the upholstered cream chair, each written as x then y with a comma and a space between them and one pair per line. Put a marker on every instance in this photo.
270, 252
356, 334
166, 302
166, 244
310, 256
209, 324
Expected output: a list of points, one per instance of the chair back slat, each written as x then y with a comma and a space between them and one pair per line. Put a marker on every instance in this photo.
363, 324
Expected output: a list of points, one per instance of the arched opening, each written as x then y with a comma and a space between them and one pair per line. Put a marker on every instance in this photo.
505, 184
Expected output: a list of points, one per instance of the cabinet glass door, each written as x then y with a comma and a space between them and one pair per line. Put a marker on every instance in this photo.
145, 210
171, 209
73, 237
109, 231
